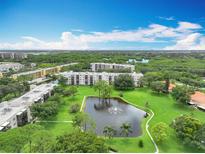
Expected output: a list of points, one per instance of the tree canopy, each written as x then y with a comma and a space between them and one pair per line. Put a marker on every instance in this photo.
160, 132
124, 82
80, 142
182, 94
189, 130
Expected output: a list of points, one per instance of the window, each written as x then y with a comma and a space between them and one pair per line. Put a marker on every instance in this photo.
91, 80
100, 77
86, 79
77, 79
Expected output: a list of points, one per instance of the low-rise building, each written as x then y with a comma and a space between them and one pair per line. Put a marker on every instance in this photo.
107, 66
6, 67
42, 72
16, 112
143, 61
90, 78
198, 100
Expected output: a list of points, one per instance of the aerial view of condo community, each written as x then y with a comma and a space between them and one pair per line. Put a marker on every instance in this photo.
125, 90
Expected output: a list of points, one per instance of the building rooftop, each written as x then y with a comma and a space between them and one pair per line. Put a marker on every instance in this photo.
112, 64
199, 99
10, 108
98, 73
5, 66
38, 70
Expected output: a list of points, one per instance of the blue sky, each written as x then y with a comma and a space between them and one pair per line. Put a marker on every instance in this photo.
102, 24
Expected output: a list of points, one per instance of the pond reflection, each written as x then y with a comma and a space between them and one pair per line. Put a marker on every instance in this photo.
114, 112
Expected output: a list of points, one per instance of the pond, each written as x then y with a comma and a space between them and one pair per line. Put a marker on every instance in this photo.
114, 113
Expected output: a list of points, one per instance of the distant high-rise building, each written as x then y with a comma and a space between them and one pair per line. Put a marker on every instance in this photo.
13, 55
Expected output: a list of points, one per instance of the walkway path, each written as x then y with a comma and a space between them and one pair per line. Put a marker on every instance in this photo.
57, 121
147, 126
147, 129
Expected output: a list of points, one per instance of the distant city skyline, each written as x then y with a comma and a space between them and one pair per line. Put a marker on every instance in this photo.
102, 24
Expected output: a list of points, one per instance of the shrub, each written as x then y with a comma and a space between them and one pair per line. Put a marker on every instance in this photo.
121, 94
74, 108
141, 143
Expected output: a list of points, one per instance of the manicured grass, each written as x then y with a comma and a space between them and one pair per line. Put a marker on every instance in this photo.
57, 128
164, 107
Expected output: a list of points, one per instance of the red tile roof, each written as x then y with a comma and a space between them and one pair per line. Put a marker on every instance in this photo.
198, 98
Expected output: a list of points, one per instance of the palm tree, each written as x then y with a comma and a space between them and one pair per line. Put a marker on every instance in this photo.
82, 120
98, 87
109, 131
126, 129
106, 92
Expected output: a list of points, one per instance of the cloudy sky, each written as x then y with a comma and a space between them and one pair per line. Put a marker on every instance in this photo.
102, 24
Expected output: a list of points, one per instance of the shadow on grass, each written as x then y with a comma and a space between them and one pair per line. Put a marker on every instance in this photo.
184, 107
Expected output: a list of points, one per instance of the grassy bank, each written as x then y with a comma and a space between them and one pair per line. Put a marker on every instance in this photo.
164, 107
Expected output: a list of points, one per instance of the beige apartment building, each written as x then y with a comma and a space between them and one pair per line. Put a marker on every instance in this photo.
41, 72
107, 66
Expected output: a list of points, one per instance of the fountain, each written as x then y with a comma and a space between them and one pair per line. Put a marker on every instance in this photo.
114, 110
114, 113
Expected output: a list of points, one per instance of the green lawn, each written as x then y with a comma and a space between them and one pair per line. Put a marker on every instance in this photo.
164, 107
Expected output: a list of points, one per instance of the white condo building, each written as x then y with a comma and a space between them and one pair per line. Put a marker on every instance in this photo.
90, 78
6, 67
16, 112
105, 66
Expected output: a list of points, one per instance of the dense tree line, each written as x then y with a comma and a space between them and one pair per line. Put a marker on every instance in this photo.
190, 131
182, 94
179, 62
10, 88
44, 110
34, 138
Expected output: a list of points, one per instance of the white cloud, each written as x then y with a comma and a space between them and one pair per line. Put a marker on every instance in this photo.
67, 41
77, 30
184, 36
184, 26
167, 18
194, 41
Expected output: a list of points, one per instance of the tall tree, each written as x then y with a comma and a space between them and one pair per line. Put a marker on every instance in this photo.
160, 132
150, 77
99, 85
124, 82
200, 137
157, 86
80, 142
104, 89
186, 127
83, 121
182, 94
167, 77
73, 90
62, 80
